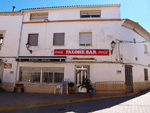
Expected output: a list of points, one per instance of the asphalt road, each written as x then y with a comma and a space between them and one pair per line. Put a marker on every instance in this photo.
77, 107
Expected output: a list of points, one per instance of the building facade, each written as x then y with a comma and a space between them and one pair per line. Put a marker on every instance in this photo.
51, 44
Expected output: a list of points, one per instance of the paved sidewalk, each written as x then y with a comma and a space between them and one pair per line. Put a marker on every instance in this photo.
139, 104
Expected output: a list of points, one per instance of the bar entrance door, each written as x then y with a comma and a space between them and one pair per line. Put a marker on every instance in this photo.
82, 73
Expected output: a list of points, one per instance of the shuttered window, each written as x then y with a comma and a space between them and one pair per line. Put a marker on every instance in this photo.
33, 39
58, 39
38, 16
85, 39
90, 14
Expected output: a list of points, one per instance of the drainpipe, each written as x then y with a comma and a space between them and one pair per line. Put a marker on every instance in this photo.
19, 45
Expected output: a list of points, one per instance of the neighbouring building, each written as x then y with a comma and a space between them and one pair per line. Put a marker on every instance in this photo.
40, 47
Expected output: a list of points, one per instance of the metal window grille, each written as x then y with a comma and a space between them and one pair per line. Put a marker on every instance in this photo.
146, 74
1, 40
38, 16
44, 74
90, 14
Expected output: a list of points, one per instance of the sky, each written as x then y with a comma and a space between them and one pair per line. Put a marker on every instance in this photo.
136, 10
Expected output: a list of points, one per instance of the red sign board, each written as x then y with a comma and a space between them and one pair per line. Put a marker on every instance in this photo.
81, 52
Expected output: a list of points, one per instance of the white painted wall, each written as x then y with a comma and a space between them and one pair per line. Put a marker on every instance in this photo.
138, 72
102, 35
74, 13
98, 72
131, 50
9, 77
12, 26
103, 32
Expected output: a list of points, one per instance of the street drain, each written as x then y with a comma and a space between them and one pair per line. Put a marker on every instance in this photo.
61, 109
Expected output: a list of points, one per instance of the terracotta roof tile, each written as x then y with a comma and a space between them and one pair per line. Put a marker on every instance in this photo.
106, 5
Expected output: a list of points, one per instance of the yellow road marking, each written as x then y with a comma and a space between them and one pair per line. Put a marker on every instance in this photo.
61, 102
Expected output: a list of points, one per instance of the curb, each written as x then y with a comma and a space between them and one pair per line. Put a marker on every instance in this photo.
62, 102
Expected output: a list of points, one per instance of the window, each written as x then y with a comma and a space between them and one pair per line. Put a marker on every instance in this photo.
134, 40
58, 39
85, 39
41, 74
1, 39
146, 74
38, 16
33, 39
90, 14
145, 49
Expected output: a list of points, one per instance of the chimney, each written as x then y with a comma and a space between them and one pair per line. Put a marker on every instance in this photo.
14, 8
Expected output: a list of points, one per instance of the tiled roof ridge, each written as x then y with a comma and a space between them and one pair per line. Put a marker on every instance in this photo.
71, 6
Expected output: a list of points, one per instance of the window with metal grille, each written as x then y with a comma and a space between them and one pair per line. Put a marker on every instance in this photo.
1, 40
85, 39
39, 16
41, 74
33, 39
146, 74
90, 14
59, 39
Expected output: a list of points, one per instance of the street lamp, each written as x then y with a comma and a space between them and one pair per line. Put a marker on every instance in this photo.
113, 43
28, 46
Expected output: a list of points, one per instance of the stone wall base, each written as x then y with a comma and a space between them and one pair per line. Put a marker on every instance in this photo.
8, 87
139, 86
40, 88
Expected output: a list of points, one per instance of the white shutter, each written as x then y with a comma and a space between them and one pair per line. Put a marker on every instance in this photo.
58, 39
85, 38
39, 16
33, 39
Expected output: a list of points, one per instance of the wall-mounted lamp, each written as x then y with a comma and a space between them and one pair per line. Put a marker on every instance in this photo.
28, 46
113, 43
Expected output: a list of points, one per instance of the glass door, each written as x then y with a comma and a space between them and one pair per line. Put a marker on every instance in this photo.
81, 75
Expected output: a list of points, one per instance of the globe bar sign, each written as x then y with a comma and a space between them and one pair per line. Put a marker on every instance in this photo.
81, 52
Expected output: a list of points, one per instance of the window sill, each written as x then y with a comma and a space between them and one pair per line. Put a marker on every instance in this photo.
91, 18
86, 46
58, 45
37, 20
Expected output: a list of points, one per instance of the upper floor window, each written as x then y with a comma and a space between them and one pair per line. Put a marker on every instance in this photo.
145, 49
33, 39
146, 74
134, 40
90, 14
85, 39
59, 39
38, 16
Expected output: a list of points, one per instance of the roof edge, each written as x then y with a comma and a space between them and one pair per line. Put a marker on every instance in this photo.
10, 13
136, 24
73, 6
